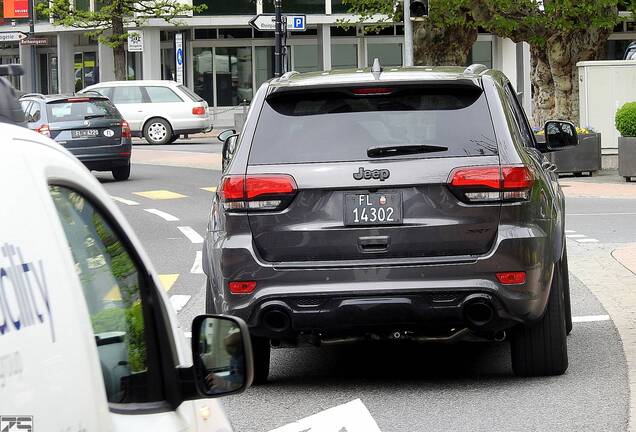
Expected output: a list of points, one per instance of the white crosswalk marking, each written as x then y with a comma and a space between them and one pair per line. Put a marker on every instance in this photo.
197, 266
179, 301
574, 236
587, 240
191, 234
124, 201
590, 318
163, 215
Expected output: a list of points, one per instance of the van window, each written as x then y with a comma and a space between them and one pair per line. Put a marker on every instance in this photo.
112, 286
34, 114
162, 95
127, 95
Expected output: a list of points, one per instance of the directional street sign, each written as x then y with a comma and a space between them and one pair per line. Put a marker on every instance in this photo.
35, 41
266, 22
13, 36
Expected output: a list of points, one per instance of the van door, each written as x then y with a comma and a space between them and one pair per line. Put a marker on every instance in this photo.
48, 381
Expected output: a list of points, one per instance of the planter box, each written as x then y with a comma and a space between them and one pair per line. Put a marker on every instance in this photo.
584, 158
627, 157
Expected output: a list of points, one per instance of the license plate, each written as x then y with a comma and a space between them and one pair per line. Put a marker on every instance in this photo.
84, 133
373, 209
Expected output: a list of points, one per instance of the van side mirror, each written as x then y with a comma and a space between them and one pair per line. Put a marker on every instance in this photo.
223, 136
560, 135
221, 355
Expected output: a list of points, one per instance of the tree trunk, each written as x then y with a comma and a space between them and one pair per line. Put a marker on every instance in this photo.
119, 51
542, 84
447, 46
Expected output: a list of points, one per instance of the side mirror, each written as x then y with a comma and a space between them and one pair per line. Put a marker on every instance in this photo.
223, 136
560, 135
221, 355
228, 150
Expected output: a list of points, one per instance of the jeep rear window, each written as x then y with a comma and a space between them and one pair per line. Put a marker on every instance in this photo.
340, 125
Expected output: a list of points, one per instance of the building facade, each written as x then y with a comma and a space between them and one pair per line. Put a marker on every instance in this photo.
225, 60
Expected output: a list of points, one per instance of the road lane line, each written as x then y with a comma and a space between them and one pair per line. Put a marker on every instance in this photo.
179, 301
168, 280
569, 232
590, 318
161, 194
197, 267
124, 201
188, 335
575, 236
163, 215
209, 189
587, 240
191, 234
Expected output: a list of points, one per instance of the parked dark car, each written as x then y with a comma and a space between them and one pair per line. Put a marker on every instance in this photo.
410, 204
89, 126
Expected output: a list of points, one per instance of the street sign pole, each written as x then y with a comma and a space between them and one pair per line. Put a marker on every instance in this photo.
33, 48
278, 49
408, 34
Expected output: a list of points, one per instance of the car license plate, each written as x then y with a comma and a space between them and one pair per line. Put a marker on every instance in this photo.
84, 133
373, 209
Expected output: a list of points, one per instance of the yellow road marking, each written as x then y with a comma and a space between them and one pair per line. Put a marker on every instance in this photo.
167, 280
160, 194
209, 189
113, 294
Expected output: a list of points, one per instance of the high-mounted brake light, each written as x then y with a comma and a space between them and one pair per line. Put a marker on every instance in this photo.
372, 91
257, 191
492, 183
44, 130
78, 99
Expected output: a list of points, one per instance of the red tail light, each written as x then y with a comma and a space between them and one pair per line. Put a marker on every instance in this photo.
44, 130
492, 183
198, 110
257, 192
511, 278
242, 287
372, 91
125, 130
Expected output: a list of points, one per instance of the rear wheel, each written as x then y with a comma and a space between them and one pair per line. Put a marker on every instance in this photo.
157, 131
210, 308
121, 173
540, 349
261, 349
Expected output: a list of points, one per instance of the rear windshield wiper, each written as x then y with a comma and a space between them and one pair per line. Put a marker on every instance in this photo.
399, 150
88, 117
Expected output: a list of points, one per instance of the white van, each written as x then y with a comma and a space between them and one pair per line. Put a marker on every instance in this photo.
88, 339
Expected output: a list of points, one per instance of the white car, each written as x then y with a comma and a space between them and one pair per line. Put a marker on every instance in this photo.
88, 338
160, 111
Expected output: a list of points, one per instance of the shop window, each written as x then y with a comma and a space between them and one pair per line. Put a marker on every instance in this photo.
306, 58
338, 6
390, 54
203, 74
168, 64
298, 6
344, 56
481, 53
225, 7
339, 31
233, 75
265, 64
235, 33
205, 34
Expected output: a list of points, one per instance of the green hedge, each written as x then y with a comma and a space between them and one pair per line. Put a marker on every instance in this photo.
626, 119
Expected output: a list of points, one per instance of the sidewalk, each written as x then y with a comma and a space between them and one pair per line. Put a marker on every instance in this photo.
603, 184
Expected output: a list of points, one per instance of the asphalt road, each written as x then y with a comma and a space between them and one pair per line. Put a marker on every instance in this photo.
465, 387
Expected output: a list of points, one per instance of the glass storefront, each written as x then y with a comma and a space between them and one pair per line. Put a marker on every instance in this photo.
390, 54
297, 6
168, 64
133, 65
86, 72
226, 72
344, 56
306, 58
225, 7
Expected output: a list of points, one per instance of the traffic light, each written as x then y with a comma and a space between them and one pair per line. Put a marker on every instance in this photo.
419, 8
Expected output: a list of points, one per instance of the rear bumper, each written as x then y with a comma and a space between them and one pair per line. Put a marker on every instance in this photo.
345, 300
191, 125
104, 158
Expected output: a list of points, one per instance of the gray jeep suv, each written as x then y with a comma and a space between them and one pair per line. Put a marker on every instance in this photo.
411, 204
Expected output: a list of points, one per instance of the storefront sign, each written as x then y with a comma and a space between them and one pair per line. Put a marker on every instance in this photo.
135, 41
16, 9
179, 57
12, 36
35, 41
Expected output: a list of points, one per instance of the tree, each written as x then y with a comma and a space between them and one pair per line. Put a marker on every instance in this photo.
444, 38
561, 33
110, 20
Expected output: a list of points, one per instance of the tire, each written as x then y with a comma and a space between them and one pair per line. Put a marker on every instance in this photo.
540, 349
567, 304
261, 349
210, 307
157, 131
121, 173
173, 138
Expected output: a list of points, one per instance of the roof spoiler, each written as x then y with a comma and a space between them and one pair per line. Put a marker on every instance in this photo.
476, 69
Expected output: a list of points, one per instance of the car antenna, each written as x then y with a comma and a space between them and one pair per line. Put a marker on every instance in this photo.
376, 69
